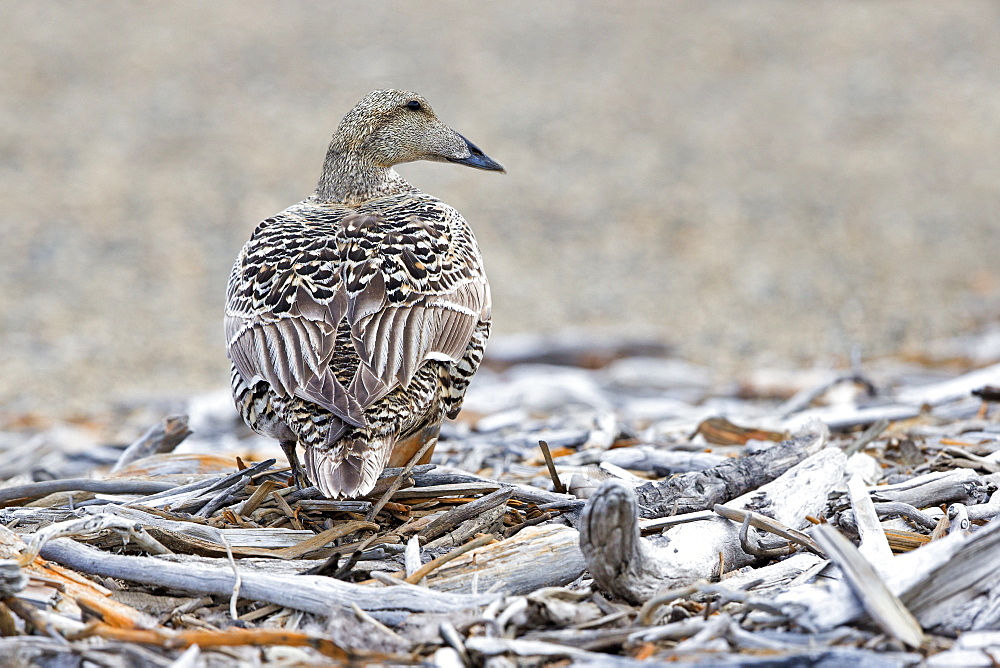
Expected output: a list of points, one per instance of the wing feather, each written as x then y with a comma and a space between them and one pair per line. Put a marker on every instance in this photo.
394, 342
294, 359
414, 335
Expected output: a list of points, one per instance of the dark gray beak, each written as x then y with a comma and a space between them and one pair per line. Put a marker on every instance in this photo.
478, 159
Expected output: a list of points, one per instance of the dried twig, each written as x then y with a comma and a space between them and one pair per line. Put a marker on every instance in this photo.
867, 436
467, 511
232, 637
765, 523
237, 584
556, 482
751, 545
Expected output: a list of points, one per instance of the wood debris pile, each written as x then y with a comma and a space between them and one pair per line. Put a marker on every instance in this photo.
633, 513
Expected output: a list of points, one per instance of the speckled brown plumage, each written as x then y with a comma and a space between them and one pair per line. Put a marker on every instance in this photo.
356, 318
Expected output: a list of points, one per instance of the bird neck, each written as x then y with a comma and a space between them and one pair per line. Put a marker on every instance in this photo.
350, 179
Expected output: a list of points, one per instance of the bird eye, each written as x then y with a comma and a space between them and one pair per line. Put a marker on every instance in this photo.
413, 105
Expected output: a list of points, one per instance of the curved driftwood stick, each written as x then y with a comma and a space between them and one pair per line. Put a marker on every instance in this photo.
933, 489
635, 568
312, 593
162, 437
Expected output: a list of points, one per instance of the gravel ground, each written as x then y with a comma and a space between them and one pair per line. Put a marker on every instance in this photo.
744, 180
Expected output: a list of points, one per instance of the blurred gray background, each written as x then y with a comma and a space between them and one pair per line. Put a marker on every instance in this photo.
748, 181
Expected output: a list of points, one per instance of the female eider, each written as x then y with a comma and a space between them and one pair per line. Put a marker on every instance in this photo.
356, 318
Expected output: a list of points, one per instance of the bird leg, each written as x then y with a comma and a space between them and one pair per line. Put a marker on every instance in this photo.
288, 447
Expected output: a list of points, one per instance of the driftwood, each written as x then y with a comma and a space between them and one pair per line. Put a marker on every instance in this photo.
195, 538
634, 568
960, 387
543, 556
315, 594
162, 437
883, 606
948, 584
691, 492
475, 559
961, 487
192, 497
36, 490
958, 486
452, 518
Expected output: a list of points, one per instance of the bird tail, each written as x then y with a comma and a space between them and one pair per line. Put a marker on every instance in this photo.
349, 468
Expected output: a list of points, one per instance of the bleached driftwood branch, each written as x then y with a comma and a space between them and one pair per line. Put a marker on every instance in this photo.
955, 486
909, 402
701, 490
635, 568
316, 594
869, 589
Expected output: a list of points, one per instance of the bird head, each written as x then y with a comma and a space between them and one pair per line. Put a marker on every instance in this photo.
389, 127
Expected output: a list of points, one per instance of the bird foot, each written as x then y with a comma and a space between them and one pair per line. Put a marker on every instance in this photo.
298, 474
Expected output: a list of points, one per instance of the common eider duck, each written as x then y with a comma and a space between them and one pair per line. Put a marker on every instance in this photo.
356, 318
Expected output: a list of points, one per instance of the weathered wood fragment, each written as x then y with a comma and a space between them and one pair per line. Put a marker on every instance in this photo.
634, 568
701, 490
765, 523
488, 521
191, 537
162, 437
492, 647
948, 585
883, 606
639, 415
456, 516
936, 394
542, 556
932, 489
874, 544
316, 594
459, 489
524, 493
